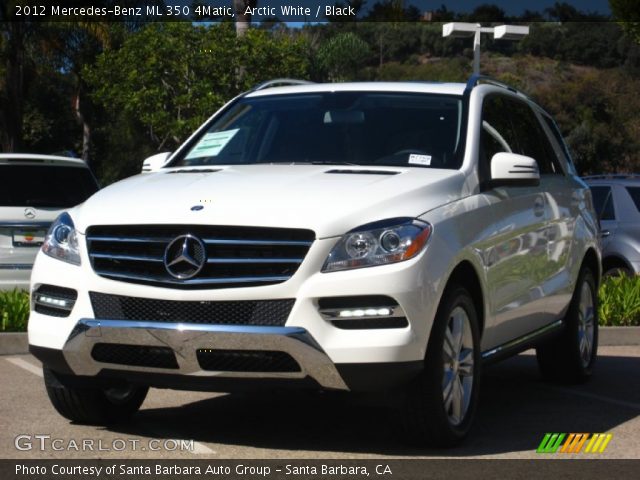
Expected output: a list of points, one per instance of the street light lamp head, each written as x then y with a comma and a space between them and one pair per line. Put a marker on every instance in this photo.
510, 32
459, 29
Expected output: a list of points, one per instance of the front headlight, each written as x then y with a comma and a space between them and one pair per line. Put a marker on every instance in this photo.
381, 243
61, 241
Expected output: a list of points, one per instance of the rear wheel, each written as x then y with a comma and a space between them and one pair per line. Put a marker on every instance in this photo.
93, 405
570, 357
441, 404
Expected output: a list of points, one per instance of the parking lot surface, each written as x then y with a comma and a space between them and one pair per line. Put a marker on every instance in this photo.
516, 409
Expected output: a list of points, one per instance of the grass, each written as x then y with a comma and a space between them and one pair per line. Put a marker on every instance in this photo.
620, 301
619, 305
14, 310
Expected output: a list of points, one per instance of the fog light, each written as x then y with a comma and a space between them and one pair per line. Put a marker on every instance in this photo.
369, 312
54, 301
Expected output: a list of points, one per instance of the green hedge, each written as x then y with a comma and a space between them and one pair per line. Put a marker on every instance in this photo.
14, 310
620, 301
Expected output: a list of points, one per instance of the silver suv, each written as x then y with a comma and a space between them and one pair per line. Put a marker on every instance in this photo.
34, 190
617, 202
353, 237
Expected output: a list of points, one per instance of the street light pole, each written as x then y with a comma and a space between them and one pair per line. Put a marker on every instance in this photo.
475, 30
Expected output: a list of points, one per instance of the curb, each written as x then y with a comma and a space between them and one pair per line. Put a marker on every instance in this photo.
13, 343
16, 343
618, 336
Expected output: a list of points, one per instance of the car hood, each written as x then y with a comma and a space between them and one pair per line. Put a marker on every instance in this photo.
329, 200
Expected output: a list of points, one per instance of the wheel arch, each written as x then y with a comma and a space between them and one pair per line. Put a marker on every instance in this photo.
465, 274
592, 261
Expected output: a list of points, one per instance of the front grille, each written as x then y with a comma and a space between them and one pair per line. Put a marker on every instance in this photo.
134, 355
246, 312
246, 361
233, 256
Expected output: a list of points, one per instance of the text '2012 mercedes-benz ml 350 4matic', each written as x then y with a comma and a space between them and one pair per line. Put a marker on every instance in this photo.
354, 237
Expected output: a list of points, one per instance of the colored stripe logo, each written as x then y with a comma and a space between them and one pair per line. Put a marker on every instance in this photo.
574, 443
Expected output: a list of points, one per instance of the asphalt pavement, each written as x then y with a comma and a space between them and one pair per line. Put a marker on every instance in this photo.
516, 409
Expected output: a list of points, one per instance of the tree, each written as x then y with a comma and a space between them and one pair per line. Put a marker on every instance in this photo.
170, 94
341, 56
628, 14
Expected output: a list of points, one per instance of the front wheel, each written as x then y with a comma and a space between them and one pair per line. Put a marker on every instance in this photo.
570, 357
441, 404
94, 406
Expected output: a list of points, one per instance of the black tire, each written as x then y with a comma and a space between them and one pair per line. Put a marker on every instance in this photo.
617, 272
425, 418
93, 406
562, 359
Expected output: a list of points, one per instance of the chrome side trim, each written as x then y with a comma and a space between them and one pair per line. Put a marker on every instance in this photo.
16, 266
523, 339
186, 338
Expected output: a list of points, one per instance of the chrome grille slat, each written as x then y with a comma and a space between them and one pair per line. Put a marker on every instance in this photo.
235, 256
135, 258
192, 281
254, 260
235, 241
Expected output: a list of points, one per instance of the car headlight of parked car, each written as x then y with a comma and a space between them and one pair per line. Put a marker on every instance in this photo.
61, 241
379, 243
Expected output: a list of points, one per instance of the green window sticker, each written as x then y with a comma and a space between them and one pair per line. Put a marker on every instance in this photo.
212, 144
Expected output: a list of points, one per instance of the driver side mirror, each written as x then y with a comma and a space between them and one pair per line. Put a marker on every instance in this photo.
511, 169
155, 162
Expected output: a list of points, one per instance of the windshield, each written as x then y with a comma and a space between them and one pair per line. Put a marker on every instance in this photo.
45, 186
356, 128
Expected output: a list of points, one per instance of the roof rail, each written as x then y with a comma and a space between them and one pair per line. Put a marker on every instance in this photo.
279, 81
612, 176
477, 79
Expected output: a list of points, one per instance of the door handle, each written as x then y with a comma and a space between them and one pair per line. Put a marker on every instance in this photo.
605, 233
538, 207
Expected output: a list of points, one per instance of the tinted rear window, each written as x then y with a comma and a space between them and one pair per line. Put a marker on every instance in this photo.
45, 186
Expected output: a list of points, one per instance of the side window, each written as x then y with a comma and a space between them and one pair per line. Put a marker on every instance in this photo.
496, 134
603, 202
555, 131
531, 138
634, 193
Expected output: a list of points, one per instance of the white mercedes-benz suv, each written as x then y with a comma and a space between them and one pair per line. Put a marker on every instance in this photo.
357, 236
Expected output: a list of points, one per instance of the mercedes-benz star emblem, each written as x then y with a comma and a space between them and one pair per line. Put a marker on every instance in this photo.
184, 257
29, 213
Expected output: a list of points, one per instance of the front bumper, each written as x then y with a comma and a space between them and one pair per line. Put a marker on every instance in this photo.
75, 365
185, 340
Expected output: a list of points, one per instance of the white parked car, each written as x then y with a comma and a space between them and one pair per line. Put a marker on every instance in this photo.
34, 190
357, 236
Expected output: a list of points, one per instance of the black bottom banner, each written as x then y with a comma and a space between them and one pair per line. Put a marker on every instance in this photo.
379, 469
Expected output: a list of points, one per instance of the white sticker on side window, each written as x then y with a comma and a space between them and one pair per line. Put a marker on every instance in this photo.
415, 159
212, 144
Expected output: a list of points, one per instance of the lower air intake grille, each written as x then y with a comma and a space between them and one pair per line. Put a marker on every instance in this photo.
272, 313
246, 361
134, 355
